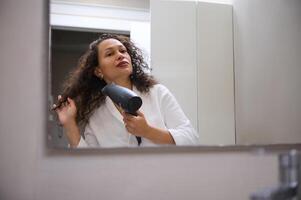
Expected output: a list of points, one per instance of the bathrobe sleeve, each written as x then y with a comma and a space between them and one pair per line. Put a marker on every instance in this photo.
175, 120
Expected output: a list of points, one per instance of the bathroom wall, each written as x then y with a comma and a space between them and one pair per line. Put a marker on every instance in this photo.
31, 171
267, 42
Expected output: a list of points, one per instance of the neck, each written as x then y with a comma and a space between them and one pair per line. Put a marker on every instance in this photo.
124, 83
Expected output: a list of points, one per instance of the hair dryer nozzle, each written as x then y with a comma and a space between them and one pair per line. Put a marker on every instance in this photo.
127, 99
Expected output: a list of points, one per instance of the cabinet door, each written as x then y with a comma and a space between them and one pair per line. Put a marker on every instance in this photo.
215, 73
192, 54
173, 51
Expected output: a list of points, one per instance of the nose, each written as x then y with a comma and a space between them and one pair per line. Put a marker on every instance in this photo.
120, 55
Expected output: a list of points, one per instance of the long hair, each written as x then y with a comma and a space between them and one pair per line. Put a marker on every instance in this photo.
84, 87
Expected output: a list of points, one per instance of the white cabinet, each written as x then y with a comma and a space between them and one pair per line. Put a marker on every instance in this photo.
192, 54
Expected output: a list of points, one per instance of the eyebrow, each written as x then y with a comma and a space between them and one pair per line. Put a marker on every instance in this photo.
113, 47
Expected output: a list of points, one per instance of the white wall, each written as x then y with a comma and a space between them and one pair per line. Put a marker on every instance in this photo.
215, 74
192, 54
267, 37
173, 50
30, 171
104, 16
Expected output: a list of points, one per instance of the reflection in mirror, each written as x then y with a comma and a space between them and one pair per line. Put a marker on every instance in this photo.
189, 46
166, 124
85, 115
67, 46
74, 25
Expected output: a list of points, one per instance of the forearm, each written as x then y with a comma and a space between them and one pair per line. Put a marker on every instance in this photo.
159, 136
73, 134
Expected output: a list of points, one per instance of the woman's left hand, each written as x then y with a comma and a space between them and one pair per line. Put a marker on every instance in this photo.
136, 125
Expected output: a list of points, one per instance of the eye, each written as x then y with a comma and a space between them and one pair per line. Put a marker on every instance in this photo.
123, 50
108, 54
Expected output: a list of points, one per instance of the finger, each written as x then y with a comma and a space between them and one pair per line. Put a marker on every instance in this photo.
59, 97
129, 129
125, 116
129, 116
70, 101
54, 107
64, 104
128, 125
125, 121
132, 131
129, 119
140, 113
122, 113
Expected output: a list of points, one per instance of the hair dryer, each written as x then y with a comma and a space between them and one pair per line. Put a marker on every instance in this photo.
125, 98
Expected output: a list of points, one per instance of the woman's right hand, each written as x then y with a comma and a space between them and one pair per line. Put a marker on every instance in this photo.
67, 117
67, 112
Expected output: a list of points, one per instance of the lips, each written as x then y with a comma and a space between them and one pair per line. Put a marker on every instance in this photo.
122, 64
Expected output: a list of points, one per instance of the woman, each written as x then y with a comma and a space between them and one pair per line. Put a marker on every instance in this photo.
115, 59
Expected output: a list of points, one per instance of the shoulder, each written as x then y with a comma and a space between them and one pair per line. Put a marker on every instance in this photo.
159, 89
161, 93
97, 113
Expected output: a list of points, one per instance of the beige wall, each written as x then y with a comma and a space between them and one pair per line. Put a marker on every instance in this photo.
267, 40
30, 171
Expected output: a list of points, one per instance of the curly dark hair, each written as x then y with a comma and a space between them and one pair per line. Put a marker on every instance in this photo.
84, 87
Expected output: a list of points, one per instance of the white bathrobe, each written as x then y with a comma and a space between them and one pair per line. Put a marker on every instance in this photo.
161, 110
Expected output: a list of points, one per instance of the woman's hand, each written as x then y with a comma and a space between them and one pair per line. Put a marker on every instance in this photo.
137, 125
67, 112
67, 117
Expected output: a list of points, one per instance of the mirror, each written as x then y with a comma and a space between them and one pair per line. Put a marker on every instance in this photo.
199, 51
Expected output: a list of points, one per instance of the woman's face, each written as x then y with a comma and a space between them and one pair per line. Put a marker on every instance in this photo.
115, 63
